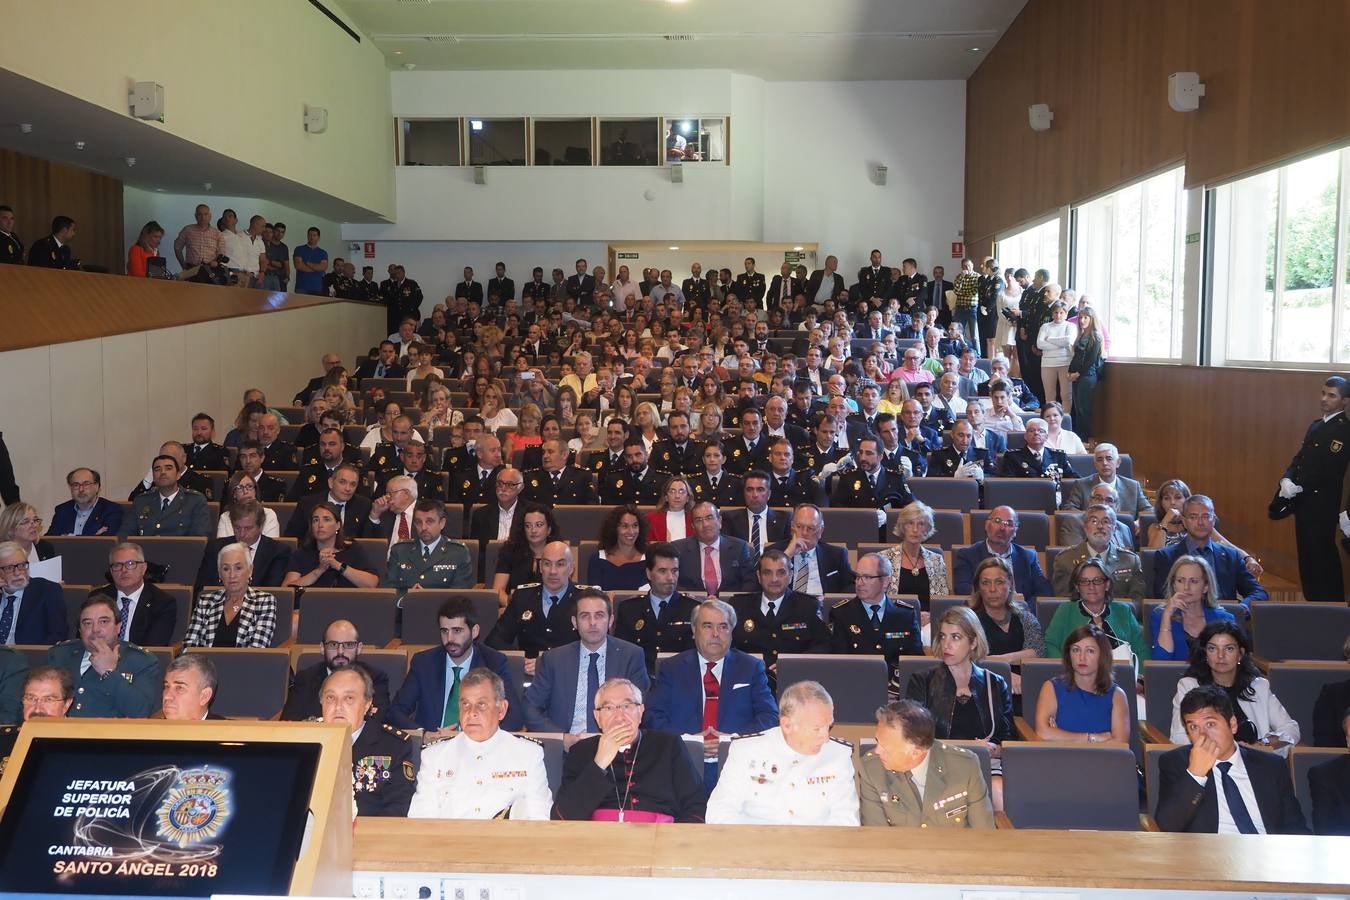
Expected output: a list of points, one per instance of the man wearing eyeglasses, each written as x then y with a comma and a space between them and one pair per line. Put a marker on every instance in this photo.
32, 610
1236, 581
1126, 571
148, 614
85, 512
341, 648
869, 622
999, 530
42, 692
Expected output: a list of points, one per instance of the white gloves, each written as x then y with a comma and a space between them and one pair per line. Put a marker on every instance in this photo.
881, 517
908, 465
1345, 524
970, 470
828, 469
1289, 490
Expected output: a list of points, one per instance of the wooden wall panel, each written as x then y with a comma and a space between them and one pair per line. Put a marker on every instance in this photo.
40, 190
1228, 433
1276, 83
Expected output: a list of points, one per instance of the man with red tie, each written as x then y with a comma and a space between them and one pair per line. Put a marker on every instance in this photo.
712, 690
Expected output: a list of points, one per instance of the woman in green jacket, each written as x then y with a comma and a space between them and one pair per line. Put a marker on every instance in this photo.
1090, 603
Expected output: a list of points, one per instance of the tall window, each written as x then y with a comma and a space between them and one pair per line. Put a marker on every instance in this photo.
1033, 248
1277, 237
1128, 259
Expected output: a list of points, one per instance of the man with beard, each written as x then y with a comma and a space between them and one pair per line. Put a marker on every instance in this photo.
341, 648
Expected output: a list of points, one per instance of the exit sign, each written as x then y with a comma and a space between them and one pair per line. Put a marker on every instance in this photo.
628, 256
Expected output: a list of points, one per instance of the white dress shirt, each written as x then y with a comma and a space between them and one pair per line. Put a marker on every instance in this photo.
504, 517
1244, 784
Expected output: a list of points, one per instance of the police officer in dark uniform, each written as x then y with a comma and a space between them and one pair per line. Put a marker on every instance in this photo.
602, 462
787, 485
750, 285
53, 251
962, 453
556, 482
816, 454
503, 287
874, 280
1314, 481
202, 452
777, 619
660, 619
714, 484
870, 622
384, 774
538, 616
637, 483
430, 483
1036, 460
11, 248
402, 299
677, 454
536, 289
871, 485
695, 288
329, 453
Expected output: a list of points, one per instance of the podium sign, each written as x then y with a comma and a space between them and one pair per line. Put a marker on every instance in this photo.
171, 808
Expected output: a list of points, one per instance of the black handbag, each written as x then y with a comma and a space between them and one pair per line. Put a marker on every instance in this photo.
1280, 508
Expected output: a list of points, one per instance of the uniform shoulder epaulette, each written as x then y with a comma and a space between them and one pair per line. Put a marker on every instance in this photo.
397, 732
848, 744
434, 741
959, 751
526, 737
457, 541
908, 604
527, 586
838, 603
751, 735
188, 490
588, 587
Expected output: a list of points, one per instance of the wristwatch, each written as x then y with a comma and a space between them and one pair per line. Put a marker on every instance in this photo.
1093, 739
343, 569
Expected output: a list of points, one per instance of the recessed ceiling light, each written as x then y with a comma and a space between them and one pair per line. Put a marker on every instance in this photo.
674, 248
798, 249
976, 49
398, 52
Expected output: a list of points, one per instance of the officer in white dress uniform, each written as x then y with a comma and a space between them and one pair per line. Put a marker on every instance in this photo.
482, 772
795, 774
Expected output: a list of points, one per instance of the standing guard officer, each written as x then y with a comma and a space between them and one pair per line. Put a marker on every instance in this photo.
11, 248
750, 285
431, 561
538, 616
695, 288
113, 679
776, 619
1314, 482
870, 622
384, 774
659, 620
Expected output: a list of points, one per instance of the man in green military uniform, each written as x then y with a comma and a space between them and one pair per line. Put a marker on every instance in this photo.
913, 779
1124, 566
384, 775
113, 679
168, 510
432, 560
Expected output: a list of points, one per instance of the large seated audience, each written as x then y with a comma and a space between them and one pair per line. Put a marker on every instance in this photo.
722, 422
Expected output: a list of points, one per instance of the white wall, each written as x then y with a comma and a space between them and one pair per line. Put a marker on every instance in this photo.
173, 211
109, 403
818, 185
801, 157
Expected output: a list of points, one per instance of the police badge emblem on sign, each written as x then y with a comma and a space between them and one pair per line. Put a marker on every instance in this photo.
197, 808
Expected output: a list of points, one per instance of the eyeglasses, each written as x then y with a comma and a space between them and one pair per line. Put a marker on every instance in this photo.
126, 566
31, 523
626, 707
45, 700
341, 645
17, 567
510, 484
1091, 582
859, 576
81, 485
1001, 522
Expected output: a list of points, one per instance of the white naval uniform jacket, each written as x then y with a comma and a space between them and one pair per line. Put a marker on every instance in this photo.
466, 779
766, 782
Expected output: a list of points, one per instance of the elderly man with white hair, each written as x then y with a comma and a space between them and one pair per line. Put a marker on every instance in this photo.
391, 515
236, 615
794, 774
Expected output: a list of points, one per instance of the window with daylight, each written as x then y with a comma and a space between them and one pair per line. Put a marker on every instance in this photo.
1032, 248
1128, 259
1280, 280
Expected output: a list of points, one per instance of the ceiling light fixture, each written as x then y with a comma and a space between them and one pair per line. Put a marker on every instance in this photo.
976, 49
476, 124
79, 145
674, 248
25, 128
798, 249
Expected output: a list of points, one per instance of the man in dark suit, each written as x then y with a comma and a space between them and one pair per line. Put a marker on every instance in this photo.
1329, 784
784, 287
270, 558
100, 516
831, 279
496, 520
817, 568
536, 347
202, 451
712, 689
556, 482
776, 619
756, 522
32, 610
999, 530
637, 483
1235, 581
329, 362
147, 614
53, 251
659, 619
341, 647
869, 622
353, 507
503, 288
934, 296
536, 288
469, 289
385, 366
711, 561
750, 285
552, 701
872, 329
695, 287
581, 287
267, 488
423, 701
1036, 460
1215, 785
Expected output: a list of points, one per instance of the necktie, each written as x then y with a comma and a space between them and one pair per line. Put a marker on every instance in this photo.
379, 370
556, 476
773, 610
403, 533
709, 572
1236, 807
874, 612
592, 688
426, 552
713, 482
913, 789
549, 600
802, 578
871, 481
341, 508
754, 533
661, 610
782, 482
7, 617
710, 693
125, 603
163, 503
451, 716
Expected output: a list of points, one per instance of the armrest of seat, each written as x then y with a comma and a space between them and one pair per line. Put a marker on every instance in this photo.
1025, 731
1151, 734
1001, 821
1147, 823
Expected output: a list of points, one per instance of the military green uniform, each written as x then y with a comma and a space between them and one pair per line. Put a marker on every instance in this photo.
13, 670
1123, 566
130, 691
450, 565
954, 794
384, 775
188, 515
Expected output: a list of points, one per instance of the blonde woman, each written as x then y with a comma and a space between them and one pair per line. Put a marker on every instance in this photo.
22, 524
493, 410
915, 569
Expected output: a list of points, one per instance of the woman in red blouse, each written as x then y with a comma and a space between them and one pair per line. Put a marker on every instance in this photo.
146, 246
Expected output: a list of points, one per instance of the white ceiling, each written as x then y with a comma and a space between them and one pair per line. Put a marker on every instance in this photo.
778, 40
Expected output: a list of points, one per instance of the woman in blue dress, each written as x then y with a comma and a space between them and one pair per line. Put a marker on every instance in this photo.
1084, 704
620, 563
